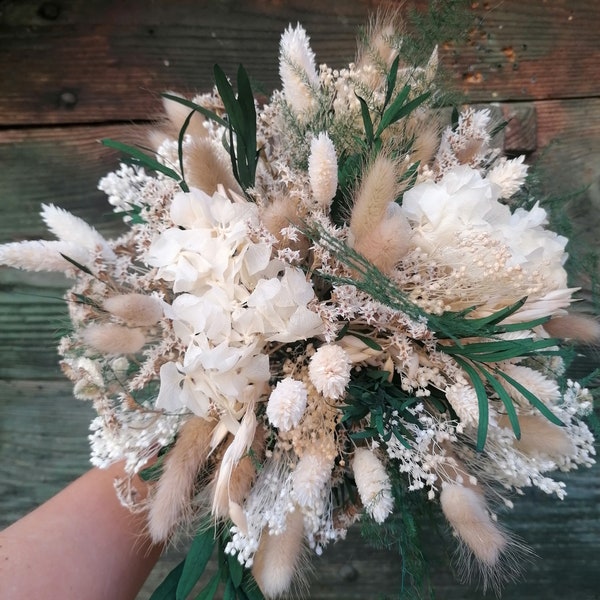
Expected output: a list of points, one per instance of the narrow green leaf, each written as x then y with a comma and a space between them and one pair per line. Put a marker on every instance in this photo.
209, 591
227, 94
230, 591
168, 588
142, 159
531, 398
406, 109
76, 264
195, 562
364, 434
391, 81
343, 331
506, 400
454, 118
236, 570
498, 316
524, 325
209, 114
366, 340
367, 121
153, 472
498, 128
482, 402
246, 103
398, 102
180, 138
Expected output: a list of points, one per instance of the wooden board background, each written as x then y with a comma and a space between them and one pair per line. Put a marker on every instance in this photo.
75, 71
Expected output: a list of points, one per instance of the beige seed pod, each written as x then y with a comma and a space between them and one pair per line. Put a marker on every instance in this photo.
135, 309
538, 435
575, 327
114, 339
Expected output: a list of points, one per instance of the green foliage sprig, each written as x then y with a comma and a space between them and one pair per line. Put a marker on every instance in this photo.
137, 156
453, 330
180, 582
370, 393
241, 123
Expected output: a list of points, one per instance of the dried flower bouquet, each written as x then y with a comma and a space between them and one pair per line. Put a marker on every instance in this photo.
325, 309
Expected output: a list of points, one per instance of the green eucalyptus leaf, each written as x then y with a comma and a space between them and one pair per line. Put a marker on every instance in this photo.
366, 117
482, 402
209, 591
209, 114
195, 562
167, 590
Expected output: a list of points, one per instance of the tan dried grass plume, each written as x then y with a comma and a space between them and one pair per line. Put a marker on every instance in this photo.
113, 339
170, 501
380, 232
208, 166
277, 560
538, 435
581, 328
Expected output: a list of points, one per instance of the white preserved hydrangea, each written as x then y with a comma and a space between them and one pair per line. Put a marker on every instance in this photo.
287, 403
461, 223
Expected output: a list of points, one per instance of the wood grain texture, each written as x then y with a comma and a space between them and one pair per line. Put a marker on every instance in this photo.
75, 71
69, 61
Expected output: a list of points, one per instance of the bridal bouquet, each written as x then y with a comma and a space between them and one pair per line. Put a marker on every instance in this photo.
330, 308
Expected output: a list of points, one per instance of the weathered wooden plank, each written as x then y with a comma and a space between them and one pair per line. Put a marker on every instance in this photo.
86, 62
60, 166
530, 50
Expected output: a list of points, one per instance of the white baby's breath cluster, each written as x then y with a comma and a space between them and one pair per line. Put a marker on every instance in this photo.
367, 314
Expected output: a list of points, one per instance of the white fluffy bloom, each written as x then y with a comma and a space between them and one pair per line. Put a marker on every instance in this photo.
509, 175
329, 370
373, 483
41, 255
287, 403
310, 478
297, 69
463, 399
69, 228
323, 169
